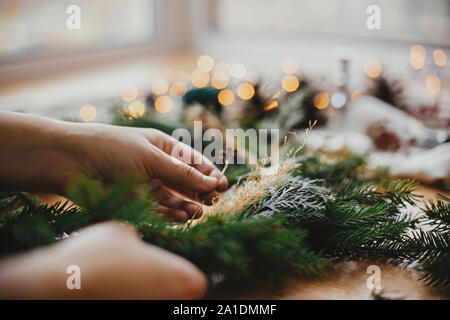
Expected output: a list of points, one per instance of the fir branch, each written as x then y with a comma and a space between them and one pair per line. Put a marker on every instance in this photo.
431, 248
336, 171
287, 224
397, 192
235, 247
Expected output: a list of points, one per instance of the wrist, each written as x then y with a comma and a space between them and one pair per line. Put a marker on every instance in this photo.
35, 155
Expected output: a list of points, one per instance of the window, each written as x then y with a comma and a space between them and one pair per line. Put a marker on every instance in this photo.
30, 28
421, 21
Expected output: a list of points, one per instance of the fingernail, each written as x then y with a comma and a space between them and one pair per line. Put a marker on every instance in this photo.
192, 207
223, 181
210, 181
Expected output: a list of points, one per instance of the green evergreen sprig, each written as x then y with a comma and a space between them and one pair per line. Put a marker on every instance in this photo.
431, 247
298, 228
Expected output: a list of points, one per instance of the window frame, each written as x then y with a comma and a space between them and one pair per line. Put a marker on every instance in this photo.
170, 32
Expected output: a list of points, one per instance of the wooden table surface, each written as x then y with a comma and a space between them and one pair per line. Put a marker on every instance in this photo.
342, 281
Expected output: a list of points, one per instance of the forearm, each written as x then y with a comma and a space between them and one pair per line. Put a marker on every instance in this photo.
35, 153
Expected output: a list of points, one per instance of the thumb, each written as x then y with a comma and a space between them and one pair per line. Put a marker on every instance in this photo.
175, 172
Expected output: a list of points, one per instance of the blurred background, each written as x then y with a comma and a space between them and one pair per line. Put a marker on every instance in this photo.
151, 52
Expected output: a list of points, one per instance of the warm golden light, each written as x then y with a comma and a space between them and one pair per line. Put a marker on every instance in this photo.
199, 79
440, 58
163, 104
205, 63
136, 109
433, 84
245, 91
222, 71
417, 56
419, 49
271, 105
238, 71
160, 86
373, 68
321, 100
290, 83
276, 95
417, 60
88, 113
221, 76
289, 65
178, 88
129, 93
218, 83
356, 94
226, 97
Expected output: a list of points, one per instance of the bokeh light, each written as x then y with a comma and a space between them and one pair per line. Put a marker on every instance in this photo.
439, 57
129, 93
160, 86
419, 49
271, 105
245, 91
338, 99
373, 68
417, 56
226, 97
290, 83
136, 109
238, 71
205, 63
356, 94
321, 100
218, 83
88, 113
276, 95
417, 61
289, 65
222, 71
199, 79
178, 88
163, 104
433, 84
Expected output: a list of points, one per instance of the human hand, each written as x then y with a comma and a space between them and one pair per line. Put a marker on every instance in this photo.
113, 262
46, 154
109, 152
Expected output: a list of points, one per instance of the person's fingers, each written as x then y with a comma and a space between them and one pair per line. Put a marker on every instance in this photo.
176, 215
174, 172
161, 192
188, 155
169, 200
213, 171
207, 198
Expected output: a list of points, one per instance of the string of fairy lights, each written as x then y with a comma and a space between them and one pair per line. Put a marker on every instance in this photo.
220, 75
